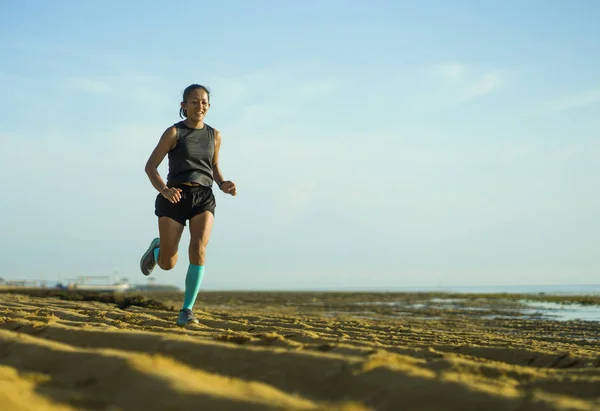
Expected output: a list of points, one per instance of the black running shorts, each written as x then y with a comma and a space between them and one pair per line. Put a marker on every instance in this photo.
194, 200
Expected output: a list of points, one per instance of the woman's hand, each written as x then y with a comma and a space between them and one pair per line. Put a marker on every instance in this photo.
172, 194
228, 187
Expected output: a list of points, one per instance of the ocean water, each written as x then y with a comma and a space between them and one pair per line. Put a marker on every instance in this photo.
562, 312
592, 289
529, 308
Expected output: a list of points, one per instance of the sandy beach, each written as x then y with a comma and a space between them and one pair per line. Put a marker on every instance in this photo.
293, 351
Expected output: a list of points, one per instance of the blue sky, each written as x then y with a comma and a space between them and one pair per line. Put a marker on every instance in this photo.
374, 144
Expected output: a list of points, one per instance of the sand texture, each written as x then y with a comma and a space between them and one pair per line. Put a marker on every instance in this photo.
277, 351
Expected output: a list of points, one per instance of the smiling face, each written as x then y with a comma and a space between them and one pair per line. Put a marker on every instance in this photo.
196, 105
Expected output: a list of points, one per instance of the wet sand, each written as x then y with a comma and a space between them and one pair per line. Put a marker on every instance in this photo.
294, 351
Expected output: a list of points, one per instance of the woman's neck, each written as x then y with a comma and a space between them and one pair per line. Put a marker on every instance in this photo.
194, 123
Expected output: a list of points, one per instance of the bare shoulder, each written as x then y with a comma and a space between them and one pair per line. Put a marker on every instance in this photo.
170, 132
217, 136
169, 136
168, 141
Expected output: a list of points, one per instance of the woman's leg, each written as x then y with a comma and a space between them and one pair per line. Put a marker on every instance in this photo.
171, 221
170, 234
163, 249
200, 230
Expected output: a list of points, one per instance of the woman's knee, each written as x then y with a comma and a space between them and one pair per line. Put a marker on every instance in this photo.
198, 252
167, 262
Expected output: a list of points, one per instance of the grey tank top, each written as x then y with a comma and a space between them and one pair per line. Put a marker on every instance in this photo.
191, 159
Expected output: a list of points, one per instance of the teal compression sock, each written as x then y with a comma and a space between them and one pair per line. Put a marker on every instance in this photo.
193, 280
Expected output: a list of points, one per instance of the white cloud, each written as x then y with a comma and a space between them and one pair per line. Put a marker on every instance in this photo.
141, 90
319, 88
272, 91
255, 114
451, 71
227, 91
459, 83
89, 85
485, 84
575, 100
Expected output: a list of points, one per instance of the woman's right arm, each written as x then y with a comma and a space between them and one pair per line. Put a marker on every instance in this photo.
166, 143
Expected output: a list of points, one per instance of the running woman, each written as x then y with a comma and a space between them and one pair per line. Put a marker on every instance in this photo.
193, 150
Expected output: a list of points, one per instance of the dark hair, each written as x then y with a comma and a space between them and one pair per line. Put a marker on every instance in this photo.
186, 94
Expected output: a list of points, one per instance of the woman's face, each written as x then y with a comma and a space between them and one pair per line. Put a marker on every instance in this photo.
196, 105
